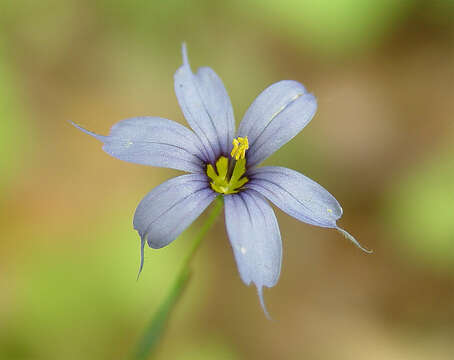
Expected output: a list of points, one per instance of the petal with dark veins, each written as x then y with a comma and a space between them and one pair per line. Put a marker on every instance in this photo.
277, 115
171, 207
153, 141
206, 107
298, 196
255, 238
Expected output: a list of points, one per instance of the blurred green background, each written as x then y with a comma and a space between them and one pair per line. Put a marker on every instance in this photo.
382, 142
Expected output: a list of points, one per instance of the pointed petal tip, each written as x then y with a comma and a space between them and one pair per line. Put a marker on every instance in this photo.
353, 240
184, 51
142, 257
88, 132
262, 302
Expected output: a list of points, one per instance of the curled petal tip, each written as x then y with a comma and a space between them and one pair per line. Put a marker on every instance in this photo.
142, 257
353, 240
262, 302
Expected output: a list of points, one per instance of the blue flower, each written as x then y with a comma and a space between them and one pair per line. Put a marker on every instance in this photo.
222, 162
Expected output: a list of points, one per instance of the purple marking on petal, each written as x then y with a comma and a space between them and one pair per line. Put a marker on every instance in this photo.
167, 210
277, 115
255, 238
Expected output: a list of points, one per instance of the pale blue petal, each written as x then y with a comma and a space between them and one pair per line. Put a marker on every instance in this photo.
278, 114
171, 207
153, 141
255, 238
298, 196
207, 107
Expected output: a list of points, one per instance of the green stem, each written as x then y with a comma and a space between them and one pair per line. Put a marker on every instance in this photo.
155, 328
217, 208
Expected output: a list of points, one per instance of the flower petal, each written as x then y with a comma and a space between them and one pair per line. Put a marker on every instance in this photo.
171, 207
298, 196
279, 113
207, 108
153, 141
256, 241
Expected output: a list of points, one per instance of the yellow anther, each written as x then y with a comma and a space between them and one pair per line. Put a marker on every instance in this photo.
240, 145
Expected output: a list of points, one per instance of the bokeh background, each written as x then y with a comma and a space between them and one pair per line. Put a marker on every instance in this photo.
382, 142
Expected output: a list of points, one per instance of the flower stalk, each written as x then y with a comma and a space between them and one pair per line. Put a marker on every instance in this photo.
155, 329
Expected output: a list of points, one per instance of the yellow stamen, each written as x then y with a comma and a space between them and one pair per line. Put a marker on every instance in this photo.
221, 181
240, 145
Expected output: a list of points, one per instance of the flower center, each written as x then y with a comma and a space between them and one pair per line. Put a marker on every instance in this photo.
229, 179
